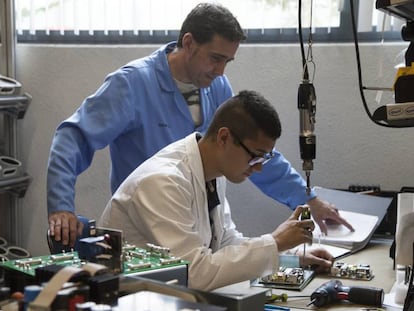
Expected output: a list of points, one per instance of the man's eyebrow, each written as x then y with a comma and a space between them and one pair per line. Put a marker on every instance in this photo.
262, 151
228, 59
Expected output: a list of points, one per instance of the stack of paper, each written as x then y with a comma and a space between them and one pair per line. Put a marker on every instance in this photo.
340, 240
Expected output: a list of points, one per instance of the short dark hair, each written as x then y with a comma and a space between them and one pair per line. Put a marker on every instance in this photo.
246, 114
208, 19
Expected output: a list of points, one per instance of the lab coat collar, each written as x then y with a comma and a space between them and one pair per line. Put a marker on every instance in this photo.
194, 157
162, 68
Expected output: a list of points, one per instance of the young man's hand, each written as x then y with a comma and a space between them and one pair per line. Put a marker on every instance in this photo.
293, 231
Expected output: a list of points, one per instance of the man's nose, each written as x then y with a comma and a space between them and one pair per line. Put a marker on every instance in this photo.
219, 68
257, 167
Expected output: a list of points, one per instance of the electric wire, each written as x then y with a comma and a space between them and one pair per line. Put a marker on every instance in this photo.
308, 58
302, 49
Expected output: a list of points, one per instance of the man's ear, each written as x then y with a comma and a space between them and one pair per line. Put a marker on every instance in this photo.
188, 41
223, 136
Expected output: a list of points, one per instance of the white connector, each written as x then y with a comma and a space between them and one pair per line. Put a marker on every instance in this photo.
400, 111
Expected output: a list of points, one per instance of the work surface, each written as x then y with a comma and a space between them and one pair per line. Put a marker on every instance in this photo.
376, 254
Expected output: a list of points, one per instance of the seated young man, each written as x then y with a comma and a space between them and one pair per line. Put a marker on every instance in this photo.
177, 199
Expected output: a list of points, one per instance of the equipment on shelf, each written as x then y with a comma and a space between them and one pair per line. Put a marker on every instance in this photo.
9, 86
10, 167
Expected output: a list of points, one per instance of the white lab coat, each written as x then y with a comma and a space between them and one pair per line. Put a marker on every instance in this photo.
164, 202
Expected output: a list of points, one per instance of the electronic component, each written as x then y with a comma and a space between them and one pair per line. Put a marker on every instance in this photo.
153, 257
103, 246
103, 288
351, 271
152, 262
21, 272
285, 276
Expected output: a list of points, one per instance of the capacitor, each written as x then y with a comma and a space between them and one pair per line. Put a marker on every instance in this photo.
30, 294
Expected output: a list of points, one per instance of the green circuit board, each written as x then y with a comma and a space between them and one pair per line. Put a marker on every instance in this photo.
29, 265
154, 257
134, 260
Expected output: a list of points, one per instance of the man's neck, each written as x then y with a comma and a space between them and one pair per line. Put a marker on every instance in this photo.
176, 63
208, 159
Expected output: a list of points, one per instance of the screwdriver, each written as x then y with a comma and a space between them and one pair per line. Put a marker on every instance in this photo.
308, 187
283, 297
306, 214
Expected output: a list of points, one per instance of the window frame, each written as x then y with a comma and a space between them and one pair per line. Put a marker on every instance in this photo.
340, 34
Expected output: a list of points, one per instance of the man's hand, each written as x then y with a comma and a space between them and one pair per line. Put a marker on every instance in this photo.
322, 211
65, 227
293, 231
318, 258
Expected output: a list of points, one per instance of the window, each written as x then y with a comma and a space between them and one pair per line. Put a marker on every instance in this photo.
154, 21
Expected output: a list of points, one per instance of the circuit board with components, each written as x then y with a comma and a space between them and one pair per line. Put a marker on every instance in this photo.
286, 278
29, 265
351, 271
135, 261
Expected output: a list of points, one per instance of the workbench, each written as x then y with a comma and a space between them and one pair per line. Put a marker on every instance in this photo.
376, 254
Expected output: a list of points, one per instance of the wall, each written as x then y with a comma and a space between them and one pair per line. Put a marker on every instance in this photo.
350, 148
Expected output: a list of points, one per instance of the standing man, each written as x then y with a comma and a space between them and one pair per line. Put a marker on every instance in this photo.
151, 102
177, 199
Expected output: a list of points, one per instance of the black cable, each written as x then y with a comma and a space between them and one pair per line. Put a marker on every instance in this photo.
302, 49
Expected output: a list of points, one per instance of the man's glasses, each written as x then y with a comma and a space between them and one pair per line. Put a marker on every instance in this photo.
256, 159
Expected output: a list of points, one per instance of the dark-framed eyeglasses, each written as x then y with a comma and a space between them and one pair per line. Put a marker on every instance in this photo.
256, 158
